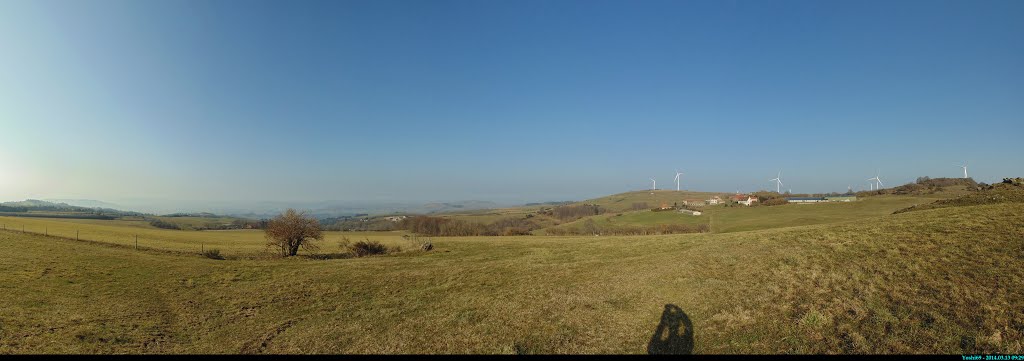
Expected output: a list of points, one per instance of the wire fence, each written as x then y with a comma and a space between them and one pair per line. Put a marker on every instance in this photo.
244, 249
131, 241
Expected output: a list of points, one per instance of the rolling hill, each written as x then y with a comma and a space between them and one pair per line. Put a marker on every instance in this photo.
934, 281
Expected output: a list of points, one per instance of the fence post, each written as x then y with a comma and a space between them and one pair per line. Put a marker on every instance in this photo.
46, 231
76, 234
202, 248
136, 242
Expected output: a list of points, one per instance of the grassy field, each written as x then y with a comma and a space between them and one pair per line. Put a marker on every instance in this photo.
489, 215
195, 222
248, 242
742, 218
936, 281
624, 201
733, 219
635, 218
230, 242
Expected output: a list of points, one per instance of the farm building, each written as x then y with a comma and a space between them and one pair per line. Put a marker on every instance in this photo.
746, 200
714, 200
805, 199
849, 198
687, 211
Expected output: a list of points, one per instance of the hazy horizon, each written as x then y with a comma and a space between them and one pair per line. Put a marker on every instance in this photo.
511, 102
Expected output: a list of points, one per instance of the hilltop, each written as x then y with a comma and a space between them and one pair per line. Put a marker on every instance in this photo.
88, 203
1010, 190
39, 208
648, 199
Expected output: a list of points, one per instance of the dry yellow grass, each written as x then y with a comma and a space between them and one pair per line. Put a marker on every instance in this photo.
937, 281
231, 242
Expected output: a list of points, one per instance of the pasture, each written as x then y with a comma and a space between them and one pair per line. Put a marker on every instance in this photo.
887, 284
743, 218
242, 242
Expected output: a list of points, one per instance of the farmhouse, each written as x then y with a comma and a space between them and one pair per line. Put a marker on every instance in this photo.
396, 218
805, 199
746, 200
714, 200
687, 211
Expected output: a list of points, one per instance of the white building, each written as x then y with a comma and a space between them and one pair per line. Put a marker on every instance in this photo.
748, 201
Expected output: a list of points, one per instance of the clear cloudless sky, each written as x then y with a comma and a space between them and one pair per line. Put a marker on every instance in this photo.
525, 100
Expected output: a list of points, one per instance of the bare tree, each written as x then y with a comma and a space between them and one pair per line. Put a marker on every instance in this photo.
293, 230
589, 226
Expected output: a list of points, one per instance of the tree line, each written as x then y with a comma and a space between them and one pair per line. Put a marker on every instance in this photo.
448, 227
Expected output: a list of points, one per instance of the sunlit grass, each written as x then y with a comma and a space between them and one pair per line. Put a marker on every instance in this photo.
231, 242
937, 281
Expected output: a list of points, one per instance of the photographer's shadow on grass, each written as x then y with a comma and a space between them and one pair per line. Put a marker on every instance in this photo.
674, 334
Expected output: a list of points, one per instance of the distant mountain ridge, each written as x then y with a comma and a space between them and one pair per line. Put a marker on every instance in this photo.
88, 203
39, 208
329, 209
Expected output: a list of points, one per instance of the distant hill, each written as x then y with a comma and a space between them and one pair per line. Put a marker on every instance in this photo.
40, 208
452, 206
88, 203
1011, 190
925, 186
625, 201
336, 209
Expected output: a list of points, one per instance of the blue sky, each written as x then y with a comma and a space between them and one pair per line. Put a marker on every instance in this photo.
500, 100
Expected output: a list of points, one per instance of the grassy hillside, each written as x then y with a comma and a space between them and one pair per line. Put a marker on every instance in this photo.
733, 219
937, 281
624, 201
742, 218
1012, 190
122, 232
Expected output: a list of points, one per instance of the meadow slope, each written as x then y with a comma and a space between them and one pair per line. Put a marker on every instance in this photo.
936, 281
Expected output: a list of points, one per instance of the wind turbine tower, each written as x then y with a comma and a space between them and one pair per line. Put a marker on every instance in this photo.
778, 182
678, 178
654, 184
965, 168
879, 184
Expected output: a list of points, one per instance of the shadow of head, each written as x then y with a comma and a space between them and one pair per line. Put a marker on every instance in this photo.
674, 334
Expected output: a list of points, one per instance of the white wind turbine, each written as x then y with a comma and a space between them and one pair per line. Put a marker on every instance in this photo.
877, 179
778, 182
654, 184
678, 174
965, 168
